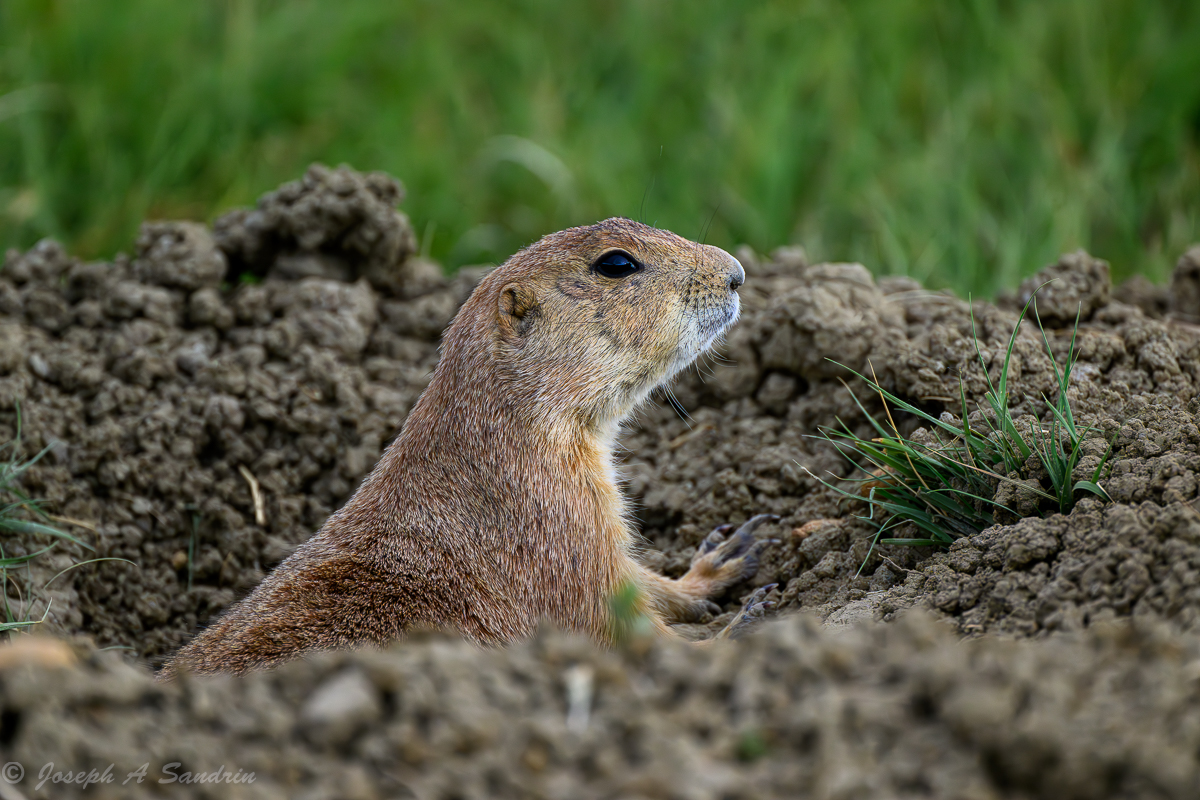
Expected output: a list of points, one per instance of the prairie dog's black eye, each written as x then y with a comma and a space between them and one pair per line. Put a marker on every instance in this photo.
616, 264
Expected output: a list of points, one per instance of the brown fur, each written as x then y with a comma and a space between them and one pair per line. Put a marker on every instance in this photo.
497, 505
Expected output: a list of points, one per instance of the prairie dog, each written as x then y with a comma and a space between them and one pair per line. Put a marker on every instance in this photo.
498, 504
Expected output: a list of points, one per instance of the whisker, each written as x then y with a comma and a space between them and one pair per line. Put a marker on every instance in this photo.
673, 401
711, 217
716, 356
650, 188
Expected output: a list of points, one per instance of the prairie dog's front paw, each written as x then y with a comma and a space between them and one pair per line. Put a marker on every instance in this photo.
724, 558
752, 614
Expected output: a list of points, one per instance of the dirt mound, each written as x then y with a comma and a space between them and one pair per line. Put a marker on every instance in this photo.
200, 426
201, 429
902, 710
331, 224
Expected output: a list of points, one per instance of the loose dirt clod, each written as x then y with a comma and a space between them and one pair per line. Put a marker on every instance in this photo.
212, 400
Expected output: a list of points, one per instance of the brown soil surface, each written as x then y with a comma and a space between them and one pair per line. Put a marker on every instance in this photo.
276, 355
904, 710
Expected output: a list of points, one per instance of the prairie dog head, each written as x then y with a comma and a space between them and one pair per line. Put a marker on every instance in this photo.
587, 321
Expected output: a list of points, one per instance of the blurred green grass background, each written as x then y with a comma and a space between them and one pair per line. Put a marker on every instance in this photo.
963, 143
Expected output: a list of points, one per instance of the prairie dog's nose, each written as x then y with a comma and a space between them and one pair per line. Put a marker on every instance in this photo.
738, 276
723, 264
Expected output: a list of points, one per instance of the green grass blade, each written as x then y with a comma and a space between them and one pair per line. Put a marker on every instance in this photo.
1103, 461
12, 472
8, 562
1094, 488
82, 563
36, 528
12, 626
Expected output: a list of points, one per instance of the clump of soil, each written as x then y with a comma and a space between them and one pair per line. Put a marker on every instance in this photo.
208, 402
336, 224
902, 710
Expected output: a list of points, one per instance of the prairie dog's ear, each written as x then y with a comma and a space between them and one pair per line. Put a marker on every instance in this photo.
516, 310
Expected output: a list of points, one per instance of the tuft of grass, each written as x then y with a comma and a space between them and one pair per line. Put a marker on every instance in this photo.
959, 143
946, 479
19, 514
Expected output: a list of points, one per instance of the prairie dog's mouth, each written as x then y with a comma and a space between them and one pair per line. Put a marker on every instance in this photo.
702, 327
713, 321
706, 325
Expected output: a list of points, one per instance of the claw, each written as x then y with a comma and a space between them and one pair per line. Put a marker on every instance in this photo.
742, 542
763, 544
755, 522
739, 544
720, 534
714, 539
